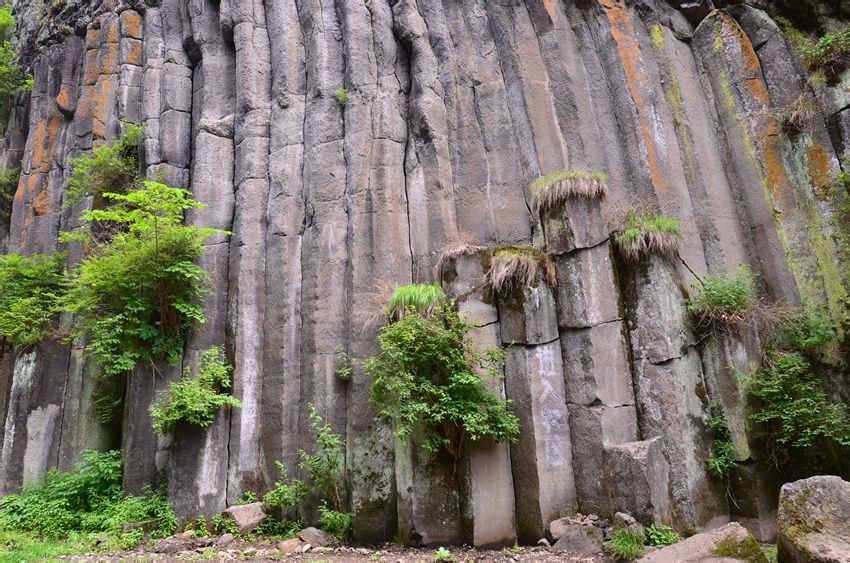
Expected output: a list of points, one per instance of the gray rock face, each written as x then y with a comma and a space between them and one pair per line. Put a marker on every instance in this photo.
813, 522
454, 109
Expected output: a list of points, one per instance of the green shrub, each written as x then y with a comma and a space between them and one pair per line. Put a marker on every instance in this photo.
12, 78
722, 460
443, 554
424, 298
324, 469
283, 529
337, 524
425, 377
86, 500
9, 178
31, 290
794, 408
222, 525
196, 400
108, 169
725, 299
647, 233
342, 96
661, 535
139, 290
830, 53
625, 544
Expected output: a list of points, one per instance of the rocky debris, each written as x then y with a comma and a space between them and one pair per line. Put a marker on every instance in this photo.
246, 516
731, 542
146, 527
813, 522
290, 546
316, 537
580, 535
224, 540
627, 522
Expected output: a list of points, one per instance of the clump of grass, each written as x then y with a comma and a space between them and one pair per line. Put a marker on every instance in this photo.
794, 118
625, 544
424, 298
725, 299
453, 252
553, 190
648, 233
342, 96
515, 267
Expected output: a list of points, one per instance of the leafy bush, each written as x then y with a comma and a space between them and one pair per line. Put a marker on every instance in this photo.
661, 535
31, 290
139, 290
9, 178
625, 544
424, 298
443, 554
342, 96
108, 169
283, 529
648, 233
12, 78
722, 460
794, 408
222, 525
337, 524
425, 377
831, 52
324, 469
196, 400
86, 500
725, 299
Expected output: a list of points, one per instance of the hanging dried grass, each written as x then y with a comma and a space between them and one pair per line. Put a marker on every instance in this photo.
552, 191
647, 234
516, 267
452, 252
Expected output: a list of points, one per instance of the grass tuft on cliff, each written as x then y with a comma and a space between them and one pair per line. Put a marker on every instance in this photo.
550, 192
516, 267
725, 299
423, 298
648, 233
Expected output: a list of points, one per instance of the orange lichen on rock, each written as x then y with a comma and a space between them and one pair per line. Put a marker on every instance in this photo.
131, 24
43, 141
133, 52
623, 33
100, 98
817, 162
41, 204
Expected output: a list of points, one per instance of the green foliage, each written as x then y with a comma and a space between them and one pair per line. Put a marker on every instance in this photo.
771, 553
722, 460
656, 35
139, 290
831, 52
424, 298
249, 497
337, 524
196, 400
648, 233
86, 500
12, 78
200, 527
325, 466
661, 535
283, 529
625, 544
346, 365
425, 378
725, 299
31, 290
342, 96
8, 186
794, 408
443, 554
108, 169
222, 525
20, 546
285, 493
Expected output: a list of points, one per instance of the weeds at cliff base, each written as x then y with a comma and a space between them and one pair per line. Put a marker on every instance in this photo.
625, 544
660, 535
86, 503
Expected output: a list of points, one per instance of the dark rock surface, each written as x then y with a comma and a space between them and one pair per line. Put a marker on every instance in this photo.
455, 108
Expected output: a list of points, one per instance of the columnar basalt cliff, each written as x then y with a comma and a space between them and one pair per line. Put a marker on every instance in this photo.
455, 107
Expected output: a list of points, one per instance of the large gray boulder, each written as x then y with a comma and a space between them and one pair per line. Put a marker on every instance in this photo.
246, 516
731, 542
813, 523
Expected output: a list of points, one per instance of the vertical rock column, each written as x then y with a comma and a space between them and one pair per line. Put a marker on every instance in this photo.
542, 459
596, 361
488, 487
669, 387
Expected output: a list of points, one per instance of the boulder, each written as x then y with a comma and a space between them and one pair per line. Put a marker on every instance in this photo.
316, 537
731, 542
578, 537
813, 522
290, 546
224, 540
246, 516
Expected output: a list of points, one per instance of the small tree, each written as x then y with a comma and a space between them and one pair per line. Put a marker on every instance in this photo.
425, 378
